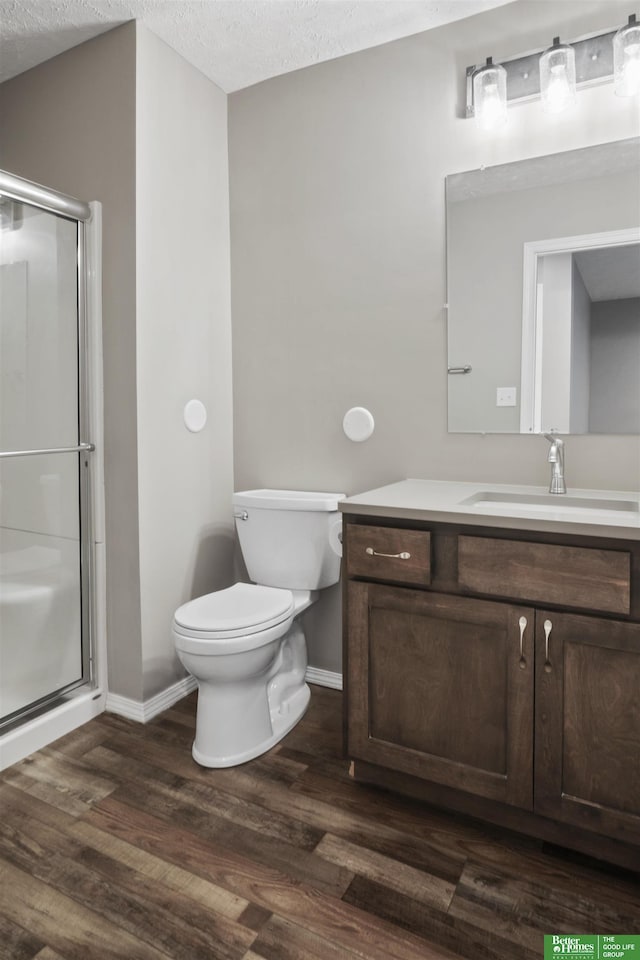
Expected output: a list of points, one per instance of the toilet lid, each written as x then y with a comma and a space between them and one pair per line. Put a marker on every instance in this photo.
244, 608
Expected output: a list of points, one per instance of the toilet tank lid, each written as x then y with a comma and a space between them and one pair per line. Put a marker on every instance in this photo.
287, 499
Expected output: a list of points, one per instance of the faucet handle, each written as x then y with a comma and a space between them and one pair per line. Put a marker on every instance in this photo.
553, 449
556, 448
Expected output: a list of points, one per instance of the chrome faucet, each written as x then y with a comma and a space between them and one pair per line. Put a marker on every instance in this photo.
556, 459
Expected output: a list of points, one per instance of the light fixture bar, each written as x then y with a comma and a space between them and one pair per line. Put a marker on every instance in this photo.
594, 62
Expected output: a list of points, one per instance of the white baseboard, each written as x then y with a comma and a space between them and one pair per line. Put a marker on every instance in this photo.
143, 711
324, 678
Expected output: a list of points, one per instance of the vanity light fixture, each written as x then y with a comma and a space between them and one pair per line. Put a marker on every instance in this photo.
552, 74
490, 95
626, 58
558, 77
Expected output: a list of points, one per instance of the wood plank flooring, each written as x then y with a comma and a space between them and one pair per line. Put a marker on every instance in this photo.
115, 844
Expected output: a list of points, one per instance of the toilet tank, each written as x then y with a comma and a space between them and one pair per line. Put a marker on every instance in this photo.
289, 538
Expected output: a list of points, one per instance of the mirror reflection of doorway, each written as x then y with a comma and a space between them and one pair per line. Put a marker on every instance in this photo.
581, 335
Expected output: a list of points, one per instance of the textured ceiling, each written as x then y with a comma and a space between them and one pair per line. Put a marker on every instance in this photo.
233, 42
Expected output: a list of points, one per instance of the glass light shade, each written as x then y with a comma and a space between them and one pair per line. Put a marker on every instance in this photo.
626, 59
558, 77
490, 95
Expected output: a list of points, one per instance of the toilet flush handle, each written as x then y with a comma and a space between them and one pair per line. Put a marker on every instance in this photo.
241, 516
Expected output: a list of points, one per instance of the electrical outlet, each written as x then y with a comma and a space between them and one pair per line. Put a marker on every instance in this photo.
506, 396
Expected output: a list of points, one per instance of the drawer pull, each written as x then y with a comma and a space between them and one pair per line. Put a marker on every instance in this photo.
390, 556
522, 623
548, 627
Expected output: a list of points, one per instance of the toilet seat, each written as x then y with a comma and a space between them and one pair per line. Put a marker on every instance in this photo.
245, 613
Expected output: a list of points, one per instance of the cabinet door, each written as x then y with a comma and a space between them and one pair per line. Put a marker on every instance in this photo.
587, 757
437, 688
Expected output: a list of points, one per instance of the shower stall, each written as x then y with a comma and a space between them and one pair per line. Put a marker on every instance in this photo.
50, 508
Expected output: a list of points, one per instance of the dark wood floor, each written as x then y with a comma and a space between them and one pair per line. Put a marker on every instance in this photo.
115, 844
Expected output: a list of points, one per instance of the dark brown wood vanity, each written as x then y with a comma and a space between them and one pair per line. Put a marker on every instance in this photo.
496, 672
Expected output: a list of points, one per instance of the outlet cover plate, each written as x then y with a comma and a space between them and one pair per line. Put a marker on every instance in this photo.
506, 396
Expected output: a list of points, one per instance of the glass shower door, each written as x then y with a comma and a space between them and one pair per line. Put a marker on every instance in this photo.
42, 495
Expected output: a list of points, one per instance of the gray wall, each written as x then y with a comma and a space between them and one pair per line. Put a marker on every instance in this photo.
183, 335
338, 262
615, 366
70, 124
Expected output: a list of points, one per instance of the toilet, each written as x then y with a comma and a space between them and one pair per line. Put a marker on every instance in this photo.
244, 645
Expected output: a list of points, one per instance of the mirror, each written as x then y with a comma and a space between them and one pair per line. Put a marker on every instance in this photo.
543, 270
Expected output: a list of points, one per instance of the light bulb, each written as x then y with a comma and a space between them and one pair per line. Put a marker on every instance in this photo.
558, 77
490, 95
626, 59
559, 95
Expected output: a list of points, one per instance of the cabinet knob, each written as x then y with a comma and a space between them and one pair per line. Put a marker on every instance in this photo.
390, 556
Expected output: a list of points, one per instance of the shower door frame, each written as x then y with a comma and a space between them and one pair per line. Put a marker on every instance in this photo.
87, 218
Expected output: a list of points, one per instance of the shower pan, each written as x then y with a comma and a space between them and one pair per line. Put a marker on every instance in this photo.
50, 512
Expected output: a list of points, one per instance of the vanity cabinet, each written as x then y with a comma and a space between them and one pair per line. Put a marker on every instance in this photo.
501, 666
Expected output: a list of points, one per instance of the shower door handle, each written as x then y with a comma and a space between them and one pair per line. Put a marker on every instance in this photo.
80, 448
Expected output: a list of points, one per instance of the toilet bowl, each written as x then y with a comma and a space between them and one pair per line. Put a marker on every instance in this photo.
250, 669
244, 645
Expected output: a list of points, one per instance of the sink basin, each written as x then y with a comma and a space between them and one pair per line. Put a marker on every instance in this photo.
558, 505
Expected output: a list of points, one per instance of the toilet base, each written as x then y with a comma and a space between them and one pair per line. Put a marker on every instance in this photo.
283, 719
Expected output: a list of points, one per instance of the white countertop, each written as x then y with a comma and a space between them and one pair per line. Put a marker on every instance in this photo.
604, 513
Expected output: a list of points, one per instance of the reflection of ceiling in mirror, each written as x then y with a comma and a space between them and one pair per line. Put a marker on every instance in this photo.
605, 158
610, 273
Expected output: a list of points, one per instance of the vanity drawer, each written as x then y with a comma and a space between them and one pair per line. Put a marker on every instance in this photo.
389, 553
571, 576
